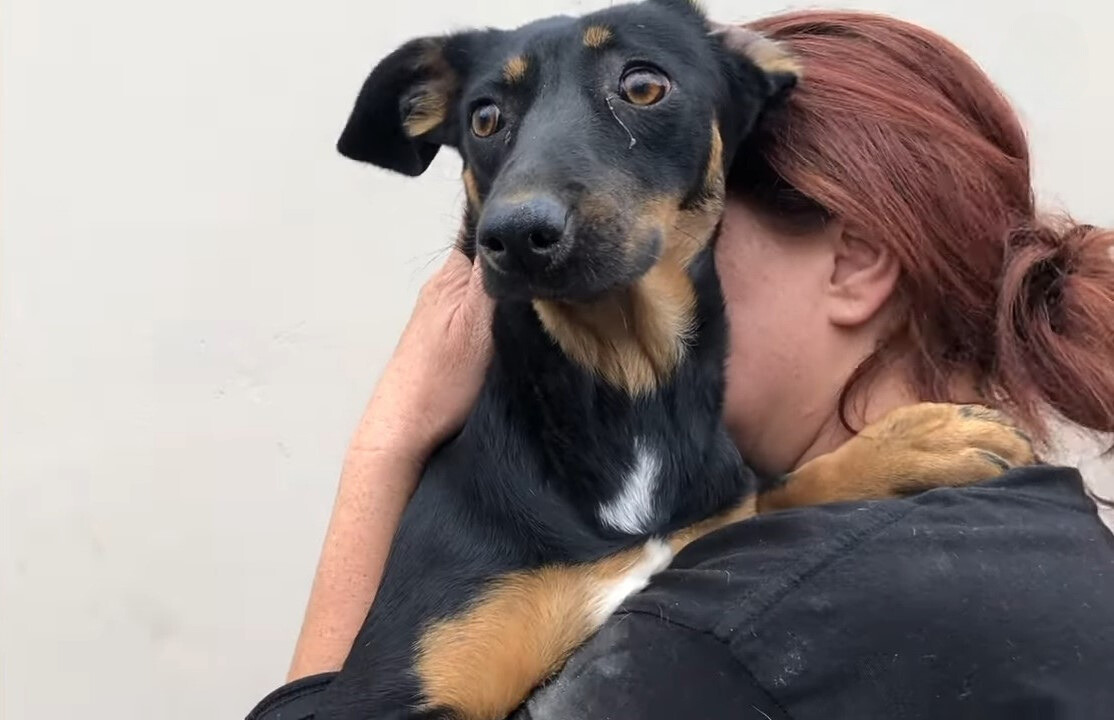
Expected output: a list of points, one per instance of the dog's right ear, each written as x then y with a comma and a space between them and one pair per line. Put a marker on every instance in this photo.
406, 109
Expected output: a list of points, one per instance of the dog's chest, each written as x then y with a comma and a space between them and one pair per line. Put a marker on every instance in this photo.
634, 508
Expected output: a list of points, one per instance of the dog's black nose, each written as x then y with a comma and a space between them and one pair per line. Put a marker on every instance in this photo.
526, 235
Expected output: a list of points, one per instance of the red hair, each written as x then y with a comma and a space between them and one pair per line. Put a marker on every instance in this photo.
898, 133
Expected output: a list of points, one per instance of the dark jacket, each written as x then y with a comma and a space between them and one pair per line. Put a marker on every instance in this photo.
992, 601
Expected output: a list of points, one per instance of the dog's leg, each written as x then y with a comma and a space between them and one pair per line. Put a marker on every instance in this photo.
914, 448
481, 664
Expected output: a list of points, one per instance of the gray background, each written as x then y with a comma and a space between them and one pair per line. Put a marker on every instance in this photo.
197, 295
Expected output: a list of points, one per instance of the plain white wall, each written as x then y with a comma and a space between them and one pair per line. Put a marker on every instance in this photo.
197, 295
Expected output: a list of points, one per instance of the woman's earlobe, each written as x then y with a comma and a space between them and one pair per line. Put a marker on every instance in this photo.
864, 277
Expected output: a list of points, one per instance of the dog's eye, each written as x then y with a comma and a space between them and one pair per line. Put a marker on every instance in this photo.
486, 120
643, 86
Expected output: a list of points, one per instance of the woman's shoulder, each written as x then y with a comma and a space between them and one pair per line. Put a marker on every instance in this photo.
990, 601
939, 592
1025, 528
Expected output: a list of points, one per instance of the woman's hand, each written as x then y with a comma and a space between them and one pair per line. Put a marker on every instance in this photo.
431, 382
424, 395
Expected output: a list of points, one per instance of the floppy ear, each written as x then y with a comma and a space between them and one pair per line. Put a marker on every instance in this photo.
406, 109
757, 72
782, 71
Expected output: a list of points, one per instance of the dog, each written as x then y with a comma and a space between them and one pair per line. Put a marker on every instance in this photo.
594, 158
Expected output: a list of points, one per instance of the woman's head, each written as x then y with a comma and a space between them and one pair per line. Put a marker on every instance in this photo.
887, 241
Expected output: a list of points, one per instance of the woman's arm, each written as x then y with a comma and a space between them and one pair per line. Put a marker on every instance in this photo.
423, 397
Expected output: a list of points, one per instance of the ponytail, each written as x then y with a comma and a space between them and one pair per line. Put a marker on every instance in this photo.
1055, 323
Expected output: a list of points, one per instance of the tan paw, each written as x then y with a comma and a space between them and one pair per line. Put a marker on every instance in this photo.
914, 448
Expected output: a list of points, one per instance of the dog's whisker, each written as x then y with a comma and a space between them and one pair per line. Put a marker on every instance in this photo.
428, 259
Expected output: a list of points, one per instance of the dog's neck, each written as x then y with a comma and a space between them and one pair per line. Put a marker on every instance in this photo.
632, 338
637, 374
635, 337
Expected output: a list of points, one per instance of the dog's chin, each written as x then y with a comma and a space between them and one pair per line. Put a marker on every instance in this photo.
516, 287
574, 282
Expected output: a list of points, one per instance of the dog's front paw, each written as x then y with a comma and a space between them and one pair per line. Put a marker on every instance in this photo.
914, 448
940, 444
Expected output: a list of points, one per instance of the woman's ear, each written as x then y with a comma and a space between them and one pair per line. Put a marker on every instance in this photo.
863, 278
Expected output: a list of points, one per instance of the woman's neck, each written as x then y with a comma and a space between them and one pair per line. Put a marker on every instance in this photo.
878, 396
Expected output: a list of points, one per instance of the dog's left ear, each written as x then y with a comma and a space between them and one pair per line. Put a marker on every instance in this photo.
407, 107
777, 66
758, 71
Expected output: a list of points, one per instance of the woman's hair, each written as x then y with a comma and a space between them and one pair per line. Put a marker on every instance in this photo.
899, 134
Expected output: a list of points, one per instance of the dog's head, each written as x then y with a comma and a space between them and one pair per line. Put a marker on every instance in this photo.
593, 147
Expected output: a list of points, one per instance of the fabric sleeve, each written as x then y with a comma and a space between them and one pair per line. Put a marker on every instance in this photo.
296, 700
637, 666
640, 666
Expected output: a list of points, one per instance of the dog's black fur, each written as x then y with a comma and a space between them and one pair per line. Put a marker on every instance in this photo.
550, 440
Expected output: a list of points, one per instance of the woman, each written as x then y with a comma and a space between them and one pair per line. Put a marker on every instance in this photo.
887, 251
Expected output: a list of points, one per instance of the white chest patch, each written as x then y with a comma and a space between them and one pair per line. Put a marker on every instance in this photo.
632, 510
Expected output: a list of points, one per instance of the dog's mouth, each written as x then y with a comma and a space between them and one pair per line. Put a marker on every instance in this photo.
581, 266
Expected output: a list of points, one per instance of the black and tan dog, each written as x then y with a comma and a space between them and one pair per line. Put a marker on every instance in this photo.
594, 156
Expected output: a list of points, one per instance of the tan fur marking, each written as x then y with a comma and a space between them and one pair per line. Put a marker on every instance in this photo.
713, 174
483, 663
431, 104
771, 56
634, 337
428, 111
912, 449
470, 188
515, 69
746, 509
596, 36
